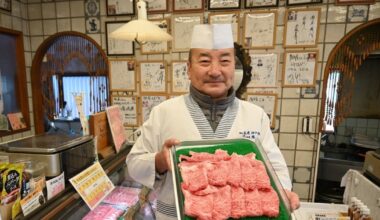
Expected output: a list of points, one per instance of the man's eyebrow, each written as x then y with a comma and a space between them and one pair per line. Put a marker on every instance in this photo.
204, 54
225, 54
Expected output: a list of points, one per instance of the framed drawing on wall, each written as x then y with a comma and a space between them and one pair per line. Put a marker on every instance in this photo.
157, 47
223, 4
299, 69
6, 5
301, 27
188, 6
182, 27
122, 75
147, 102
266, 101
157, 6
354, 2
264, 70
260, 3
260, 29
117, 47
180, 79
153, 77
227, 18
302, 2
119, 8
128, 108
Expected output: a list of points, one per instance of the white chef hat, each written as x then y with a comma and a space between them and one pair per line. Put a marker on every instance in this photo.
212, 36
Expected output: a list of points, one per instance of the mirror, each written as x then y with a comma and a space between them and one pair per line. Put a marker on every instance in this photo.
242, 67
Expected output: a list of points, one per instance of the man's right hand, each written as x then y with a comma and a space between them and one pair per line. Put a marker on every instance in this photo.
162, 159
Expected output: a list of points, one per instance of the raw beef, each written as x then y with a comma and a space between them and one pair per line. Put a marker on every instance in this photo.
199, 207
204, 156
194, 176
248, 173
237, 202
234, 177
217, 174
269, 203
253, 203
222, 203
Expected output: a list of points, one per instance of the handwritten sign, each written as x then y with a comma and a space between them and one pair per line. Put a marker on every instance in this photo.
147, 104
268, 102
92, 184
152, 76
264, 70
128, 108
180, 79
300, 68
55, 185
122, 75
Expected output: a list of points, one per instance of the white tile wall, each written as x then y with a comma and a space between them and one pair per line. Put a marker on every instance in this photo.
288, 124
63, 9
287, 141
48, 10
302, 190
50, 27
289, 106
309, 107
77, 8
63, 24
305, 142
302, 175
303, 158
336, 14
334, 32
36, 27
34, 11
374, 11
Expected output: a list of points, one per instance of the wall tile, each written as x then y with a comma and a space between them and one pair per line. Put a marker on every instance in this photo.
302, 175
63, 25
287, 141
48, 10
361, 131
323, 13
288, 156
36, 27
77, 8
374, 11
302, 189
306, 142
16, 9
334, 32
28, 59
303, 158
16, 23
78, 24
34, 11
290, 92
63, 9
362, 122
5, 21
351, 122
96, 37
336, 14
289, 106
321, 33
328, 48
372, 132
103, 8
309, 107
288, 124
35, 42
50, 27
373, 123
279, 35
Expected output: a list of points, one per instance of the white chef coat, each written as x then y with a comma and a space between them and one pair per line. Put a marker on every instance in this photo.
182, 118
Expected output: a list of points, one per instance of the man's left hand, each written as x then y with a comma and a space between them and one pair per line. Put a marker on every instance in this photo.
293, 199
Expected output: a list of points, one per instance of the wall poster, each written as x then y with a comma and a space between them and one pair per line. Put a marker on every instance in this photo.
266, 101
122, 74
300, 68
180, 79
264, 70
153, 77
147, 102
260, 29
128, 108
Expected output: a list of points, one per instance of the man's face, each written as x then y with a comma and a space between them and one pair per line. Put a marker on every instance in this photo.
212, 71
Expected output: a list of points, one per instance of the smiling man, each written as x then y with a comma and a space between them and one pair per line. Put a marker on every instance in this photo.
209, 111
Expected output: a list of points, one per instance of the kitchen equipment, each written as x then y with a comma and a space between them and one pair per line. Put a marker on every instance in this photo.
239, 146
58, 151
371, 166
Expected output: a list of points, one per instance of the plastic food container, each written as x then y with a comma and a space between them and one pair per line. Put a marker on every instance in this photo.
239, 146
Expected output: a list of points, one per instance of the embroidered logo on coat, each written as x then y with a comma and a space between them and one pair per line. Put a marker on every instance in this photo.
250, 134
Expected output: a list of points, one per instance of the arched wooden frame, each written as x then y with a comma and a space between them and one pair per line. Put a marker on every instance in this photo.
245, 60
366, 43
36, 77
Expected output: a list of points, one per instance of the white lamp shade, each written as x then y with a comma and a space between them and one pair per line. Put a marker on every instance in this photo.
140, 30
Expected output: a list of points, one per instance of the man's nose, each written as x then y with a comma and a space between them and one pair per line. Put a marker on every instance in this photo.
215, 69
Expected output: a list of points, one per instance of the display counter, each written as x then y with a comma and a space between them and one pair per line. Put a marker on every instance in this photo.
69, 205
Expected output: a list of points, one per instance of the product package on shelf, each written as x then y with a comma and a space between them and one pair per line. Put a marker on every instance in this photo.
213, 178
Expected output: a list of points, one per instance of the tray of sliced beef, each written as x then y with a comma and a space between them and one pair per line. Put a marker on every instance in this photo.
226, 179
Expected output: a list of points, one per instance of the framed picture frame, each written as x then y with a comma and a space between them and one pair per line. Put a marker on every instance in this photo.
180, 80
122, 74
301, 27
128, 107
260, 29
182, 26
264, 70
118, 47
188, 6
153, 76
157, 47
299, 68
357, 13
268, 102
6, 5
223, 4
147, 102
260, 3
354, 2
120, 8
227, 18
301, 2
157, 6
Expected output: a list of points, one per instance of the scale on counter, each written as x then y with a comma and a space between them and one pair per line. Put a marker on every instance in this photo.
58, 151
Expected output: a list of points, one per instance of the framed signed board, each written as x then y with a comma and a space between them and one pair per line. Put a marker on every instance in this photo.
300, 68
128, 108
260, 29
180, 79
122, 74
153, 77
268, 102
147, 102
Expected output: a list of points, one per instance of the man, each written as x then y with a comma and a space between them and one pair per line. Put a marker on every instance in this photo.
210, 111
